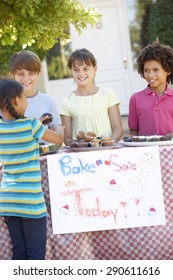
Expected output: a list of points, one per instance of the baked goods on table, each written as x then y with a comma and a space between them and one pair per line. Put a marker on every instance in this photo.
107, 141
47, 148
89, 136
150, 138
80, 135
90, 139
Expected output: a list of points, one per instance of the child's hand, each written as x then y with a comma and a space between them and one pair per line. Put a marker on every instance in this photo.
46, 118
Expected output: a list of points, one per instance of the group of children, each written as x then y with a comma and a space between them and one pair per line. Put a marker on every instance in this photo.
88, 108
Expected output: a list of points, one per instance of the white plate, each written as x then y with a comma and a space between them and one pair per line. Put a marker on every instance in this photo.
143, 144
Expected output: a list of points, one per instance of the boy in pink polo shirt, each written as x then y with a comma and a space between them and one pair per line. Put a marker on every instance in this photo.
151, 110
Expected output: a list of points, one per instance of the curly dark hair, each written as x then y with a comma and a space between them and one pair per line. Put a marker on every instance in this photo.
10, 89
159, 52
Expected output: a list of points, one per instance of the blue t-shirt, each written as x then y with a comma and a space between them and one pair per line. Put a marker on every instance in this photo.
20, 190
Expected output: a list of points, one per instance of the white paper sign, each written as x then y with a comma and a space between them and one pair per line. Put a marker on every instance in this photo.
101, 190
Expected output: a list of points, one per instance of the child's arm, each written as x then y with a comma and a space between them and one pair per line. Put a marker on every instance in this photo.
54, 137
116, 123
68, 133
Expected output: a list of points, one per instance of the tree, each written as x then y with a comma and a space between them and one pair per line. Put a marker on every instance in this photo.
38, 25
138, 28
160, 23
41, 22
144, 24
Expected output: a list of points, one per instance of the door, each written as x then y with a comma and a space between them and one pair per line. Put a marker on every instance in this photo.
109, 42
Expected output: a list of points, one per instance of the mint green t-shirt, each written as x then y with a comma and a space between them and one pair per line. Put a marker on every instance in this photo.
90, 113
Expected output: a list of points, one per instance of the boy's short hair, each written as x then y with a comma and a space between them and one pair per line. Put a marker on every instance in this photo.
25, 59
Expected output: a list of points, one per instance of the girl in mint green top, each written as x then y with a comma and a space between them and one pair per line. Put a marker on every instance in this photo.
89, 108
21, 197
90, 113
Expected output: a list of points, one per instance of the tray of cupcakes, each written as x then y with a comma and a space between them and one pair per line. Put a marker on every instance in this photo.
89, 141
151, 140
47, 149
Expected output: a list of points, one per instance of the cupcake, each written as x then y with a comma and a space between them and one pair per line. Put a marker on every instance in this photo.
113, 186
152, 212
165, 138
53, 147
89, 136
80, 135
46, 148
43, 149
96, 142
128, 138
107, 141
46, 118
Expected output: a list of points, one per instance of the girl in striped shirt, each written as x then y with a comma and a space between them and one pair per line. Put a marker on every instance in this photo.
21, 198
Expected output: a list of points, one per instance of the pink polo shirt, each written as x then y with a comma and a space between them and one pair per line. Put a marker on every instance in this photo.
151, 114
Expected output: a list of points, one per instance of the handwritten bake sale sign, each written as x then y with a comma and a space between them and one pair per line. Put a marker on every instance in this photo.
108, 189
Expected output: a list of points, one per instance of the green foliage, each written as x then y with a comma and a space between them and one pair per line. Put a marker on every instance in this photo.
7, 51
138, 28
160, 24
41, 22
57, 61
55, 69
144, 25
37, 25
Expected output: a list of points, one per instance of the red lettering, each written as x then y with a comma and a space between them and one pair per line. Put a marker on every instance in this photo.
93, 212
129, 166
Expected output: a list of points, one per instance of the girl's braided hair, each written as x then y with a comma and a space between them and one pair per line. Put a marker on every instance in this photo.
9, 90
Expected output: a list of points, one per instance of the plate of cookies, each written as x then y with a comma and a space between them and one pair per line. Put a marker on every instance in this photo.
89, 141
142, 141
